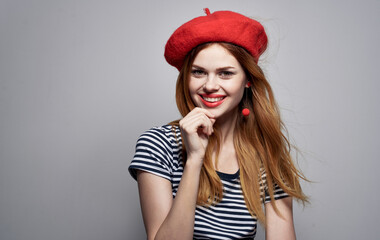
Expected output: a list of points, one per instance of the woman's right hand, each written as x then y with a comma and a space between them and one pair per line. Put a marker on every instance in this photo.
196, 127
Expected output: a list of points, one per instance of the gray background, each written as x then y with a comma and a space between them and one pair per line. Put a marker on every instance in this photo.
81, 80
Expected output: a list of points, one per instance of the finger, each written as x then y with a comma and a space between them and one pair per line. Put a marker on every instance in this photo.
207, 125
202, 110
195, 114
194, 117
199, 121
192, 123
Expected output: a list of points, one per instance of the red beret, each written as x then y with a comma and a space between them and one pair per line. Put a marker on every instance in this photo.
220, 26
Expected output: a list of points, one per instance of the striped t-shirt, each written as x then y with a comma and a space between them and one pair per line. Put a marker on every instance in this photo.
159, 151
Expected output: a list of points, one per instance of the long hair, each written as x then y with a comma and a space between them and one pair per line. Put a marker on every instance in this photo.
262, 149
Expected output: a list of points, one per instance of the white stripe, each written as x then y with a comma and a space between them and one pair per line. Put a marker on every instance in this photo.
211, 224
207, 218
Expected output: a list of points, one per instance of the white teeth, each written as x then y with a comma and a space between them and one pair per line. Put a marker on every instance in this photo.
212, 99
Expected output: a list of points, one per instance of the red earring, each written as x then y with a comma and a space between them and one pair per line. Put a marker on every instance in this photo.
246, 111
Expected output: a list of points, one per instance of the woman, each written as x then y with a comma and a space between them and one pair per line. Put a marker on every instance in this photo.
207, 175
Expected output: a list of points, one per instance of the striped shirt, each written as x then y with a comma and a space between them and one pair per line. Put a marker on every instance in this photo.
159, 151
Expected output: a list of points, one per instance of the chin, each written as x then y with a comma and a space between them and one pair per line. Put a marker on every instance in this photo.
217, 113
225, 114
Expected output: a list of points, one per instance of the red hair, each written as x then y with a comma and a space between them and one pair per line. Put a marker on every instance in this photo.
262, 149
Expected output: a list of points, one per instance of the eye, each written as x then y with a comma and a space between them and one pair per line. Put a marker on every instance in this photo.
198, 73
226, 74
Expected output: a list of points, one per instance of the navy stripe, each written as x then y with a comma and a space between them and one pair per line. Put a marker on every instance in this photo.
159, 151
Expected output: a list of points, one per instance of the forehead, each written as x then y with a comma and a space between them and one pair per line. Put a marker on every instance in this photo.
215, 56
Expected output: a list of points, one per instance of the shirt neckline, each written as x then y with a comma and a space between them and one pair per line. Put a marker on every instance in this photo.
228, 176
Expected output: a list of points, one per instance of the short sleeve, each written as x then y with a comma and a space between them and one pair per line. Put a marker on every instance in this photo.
153, 154
278, 193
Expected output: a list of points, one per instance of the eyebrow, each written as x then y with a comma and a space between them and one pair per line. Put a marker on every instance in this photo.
218, 69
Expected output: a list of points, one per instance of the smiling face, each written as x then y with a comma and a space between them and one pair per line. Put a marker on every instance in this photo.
217, 81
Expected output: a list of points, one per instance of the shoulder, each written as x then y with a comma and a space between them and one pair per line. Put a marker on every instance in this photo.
158, 151
275, 190
167, 136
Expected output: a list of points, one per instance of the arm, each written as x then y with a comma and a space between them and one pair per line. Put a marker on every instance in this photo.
165, 217
278, 227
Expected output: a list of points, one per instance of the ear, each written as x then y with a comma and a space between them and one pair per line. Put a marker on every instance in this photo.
248, 84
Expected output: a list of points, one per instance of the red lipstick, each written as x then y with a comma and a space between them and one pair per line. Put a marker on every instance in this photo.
205, 98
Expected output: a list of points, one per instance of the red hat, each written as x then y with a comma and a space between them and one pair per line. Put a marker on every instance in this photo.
220, 26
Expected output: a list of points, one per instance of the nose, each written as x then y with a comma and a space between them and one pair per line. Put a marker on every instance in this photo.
211, 84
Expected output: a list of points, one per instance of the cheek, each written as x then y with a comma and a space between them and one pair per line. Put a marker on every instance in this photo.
193, 90
194, 86
240, 95
236, 90
194, 97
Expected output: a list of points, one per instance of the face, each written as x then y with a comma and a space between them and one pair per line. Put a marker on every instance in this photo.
217, 81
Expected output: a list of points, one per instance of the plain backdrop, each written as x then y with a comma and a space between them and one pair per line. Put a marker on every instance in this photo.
80, 80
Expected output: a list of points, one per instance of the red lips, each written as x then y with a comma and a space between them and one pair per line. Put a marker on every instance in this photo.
212, 100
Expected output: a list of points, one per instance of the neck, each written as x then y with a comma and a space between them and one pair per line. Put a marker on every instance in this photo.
226, 126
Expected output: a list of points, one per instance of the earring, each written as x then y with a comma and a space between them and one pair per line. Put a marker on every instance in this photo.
245, 110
